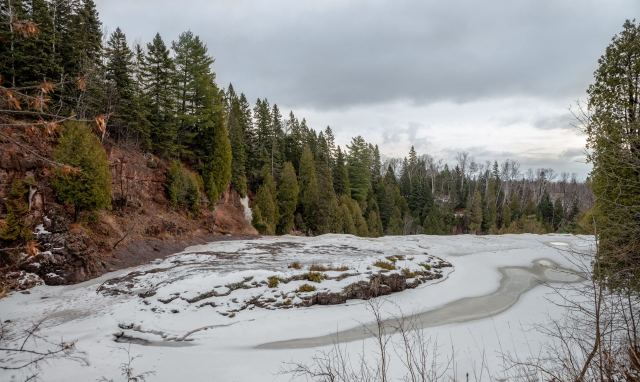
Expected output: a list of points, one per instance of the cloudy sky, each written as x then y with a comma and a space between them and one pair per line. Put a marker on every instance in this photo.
495, 78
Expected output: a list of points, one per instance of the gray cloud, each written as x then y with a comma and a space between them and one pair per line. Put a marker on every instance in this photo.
406, 72
571, 161
333, 54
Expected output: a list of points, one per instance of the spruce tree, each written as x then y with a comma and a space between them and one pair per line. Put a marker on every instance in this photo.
359, 164
16, 226
86, 183
345, 216
309, 193
267, 204
119, 68
287, 198
475, 213
614, 141
215, 160
236, 127
159, 88
341, 183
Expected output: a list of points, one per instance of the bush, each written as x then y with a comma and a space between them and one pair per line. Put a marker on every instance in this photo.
86, 182
295, 265
273, 281
384, 265
306, 288
16, 227
183, 187
315, 277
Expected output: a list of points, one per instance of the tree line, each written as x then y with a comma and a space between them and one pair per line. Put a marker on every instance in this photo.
163, 97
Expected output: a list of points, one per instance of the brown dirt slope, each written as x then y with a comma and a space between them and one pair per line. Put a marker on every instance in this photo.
140, 226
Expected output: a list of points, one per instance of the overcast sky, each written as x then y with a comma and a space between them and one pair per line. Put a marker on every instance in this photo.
494, 78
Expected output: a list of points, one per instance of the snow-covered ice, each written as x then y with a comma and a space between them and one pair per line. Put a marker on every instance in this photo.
193, 316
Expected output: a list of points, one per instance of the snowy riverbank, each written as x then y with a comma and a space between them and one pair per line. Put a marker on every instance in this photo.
183, 319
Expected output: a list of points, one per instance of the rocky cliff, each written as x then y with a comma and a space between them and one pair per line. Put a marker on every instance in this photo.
140, 226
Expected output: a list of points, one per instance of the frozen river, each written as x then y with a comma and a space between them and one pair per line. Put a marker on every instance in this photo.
213, 312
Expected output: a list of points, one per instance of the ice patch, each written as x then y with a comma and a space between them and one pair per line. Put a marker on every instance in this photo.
40, 230
248, 214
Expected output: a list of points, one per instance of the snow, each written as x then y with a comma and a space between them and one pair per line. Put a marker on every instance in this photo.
248, 214
40, 230
234, 340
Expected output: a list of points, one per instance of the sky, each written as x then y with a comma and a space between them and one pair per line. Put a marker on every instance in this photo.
500, 79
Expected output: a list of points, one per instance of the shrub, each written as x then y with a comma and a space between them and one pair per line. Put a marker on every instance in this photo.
315, 277
406, 272
425, 266
295, 265
318, 268
273, 281
324, 268
384, 265
183, 187
16, 227
306, 288
86, 182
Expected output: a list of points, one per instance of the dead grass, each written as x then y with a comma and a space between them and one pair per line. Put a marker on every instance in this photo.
295, 265
306, 288
273, 281
315, 277
324, 268
384, 265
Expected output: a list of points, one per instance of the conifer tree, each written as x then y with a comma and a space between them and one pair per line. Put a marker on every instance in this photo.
558, 214
341, 175
266, 203
39, 60
119, 68
215, 148
87, 186
196, 95
287, 198
359, 164
345, 216
614, 141
309, 193
16, 226
475, 211
139, 115
159, 88
277, 141
236, 127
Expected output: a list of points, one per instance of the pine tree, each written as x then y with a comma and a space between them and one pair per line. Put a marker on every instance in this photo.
345, 216
266, 203
475, 211
277, 141
287, 198
87, 183
293, 141
327, 203
16, 226
159, 88
215, 160
236, 137
86, 60
119, 68
545, 209
614, 141
39, 60
139, 115
359, 164
262, 121
196, 94
341, 175
309, 193
558, 214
